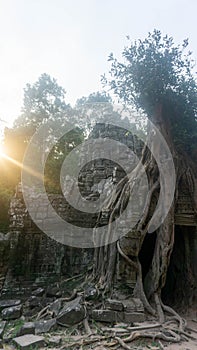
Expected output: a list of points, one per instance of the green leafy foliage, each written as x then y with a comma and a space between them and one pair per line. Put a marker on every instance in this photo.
155, 72
95, 97
43, 100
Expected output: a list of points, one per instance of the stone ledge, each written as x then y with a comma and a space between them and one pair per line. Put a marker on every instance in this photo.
111, 316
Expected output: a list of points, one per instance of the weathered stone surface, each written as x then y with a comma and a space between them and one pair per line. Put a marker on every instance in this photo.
104, 315
2, 328
8, 303
12, 313
133, 304
34, 301
4, 254
115, 305
28, 341
39, 292
45, 257
117, 316
45, 326
27, 328
55, 307
55, 341
72, 313
130, 317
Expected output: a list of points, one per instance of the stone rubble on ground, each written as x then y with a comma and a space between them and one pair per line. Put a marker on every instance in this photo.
53, 312
72, 313
8, 303
27, 328
34, 301
55, 307
39, 292
11, 313
45, 326
115, 305
127, 311
28, 341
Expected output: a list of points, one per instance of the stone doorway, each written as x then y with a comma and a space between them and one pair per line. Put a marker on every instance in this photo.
181, 283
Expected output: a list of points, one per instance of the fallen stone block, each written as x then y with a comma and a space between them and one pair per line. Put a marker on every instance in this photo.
130, 317
27, 328
104, 315
34, 301
115, 305
55, 307
112, 316
45, 326
29, 341
72, 313
39, 292
8, 303
12, 313
133, 304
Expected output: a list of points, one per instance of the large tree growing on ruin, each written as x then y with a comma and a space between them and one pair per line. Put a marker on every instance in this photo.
155, 76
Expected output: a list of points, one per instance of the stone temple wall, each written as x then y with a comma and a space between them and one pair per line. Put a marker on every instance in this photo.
36, 257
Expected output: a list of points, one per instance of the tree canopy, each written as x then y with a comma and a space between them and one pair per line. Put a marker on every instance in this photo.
155, 72
95, 97
43, 100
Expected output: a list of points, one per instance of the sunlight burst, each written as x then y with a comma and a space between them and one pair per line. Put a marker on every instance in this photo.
2, 152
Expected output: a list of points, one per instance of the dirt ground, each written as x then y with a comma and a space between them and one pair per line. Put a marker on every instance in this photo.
191, 317
191, 344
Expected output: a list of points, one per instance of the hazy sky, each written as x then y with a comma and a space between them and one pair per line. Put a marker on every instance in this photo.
71, 40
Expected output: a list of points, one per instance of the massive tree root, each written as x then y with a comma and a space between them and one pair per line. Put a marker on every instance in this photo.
149, 289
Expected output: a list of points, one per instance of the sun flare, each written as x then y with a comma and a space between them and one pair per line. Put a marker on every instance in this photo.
2, 151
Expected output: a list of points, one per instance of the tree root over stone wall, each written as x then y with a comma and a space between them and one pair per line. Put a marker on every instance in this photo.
149, 290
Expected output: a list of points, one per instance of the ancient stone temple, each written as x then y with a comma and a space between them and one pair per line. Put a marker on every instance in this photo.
34, 257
